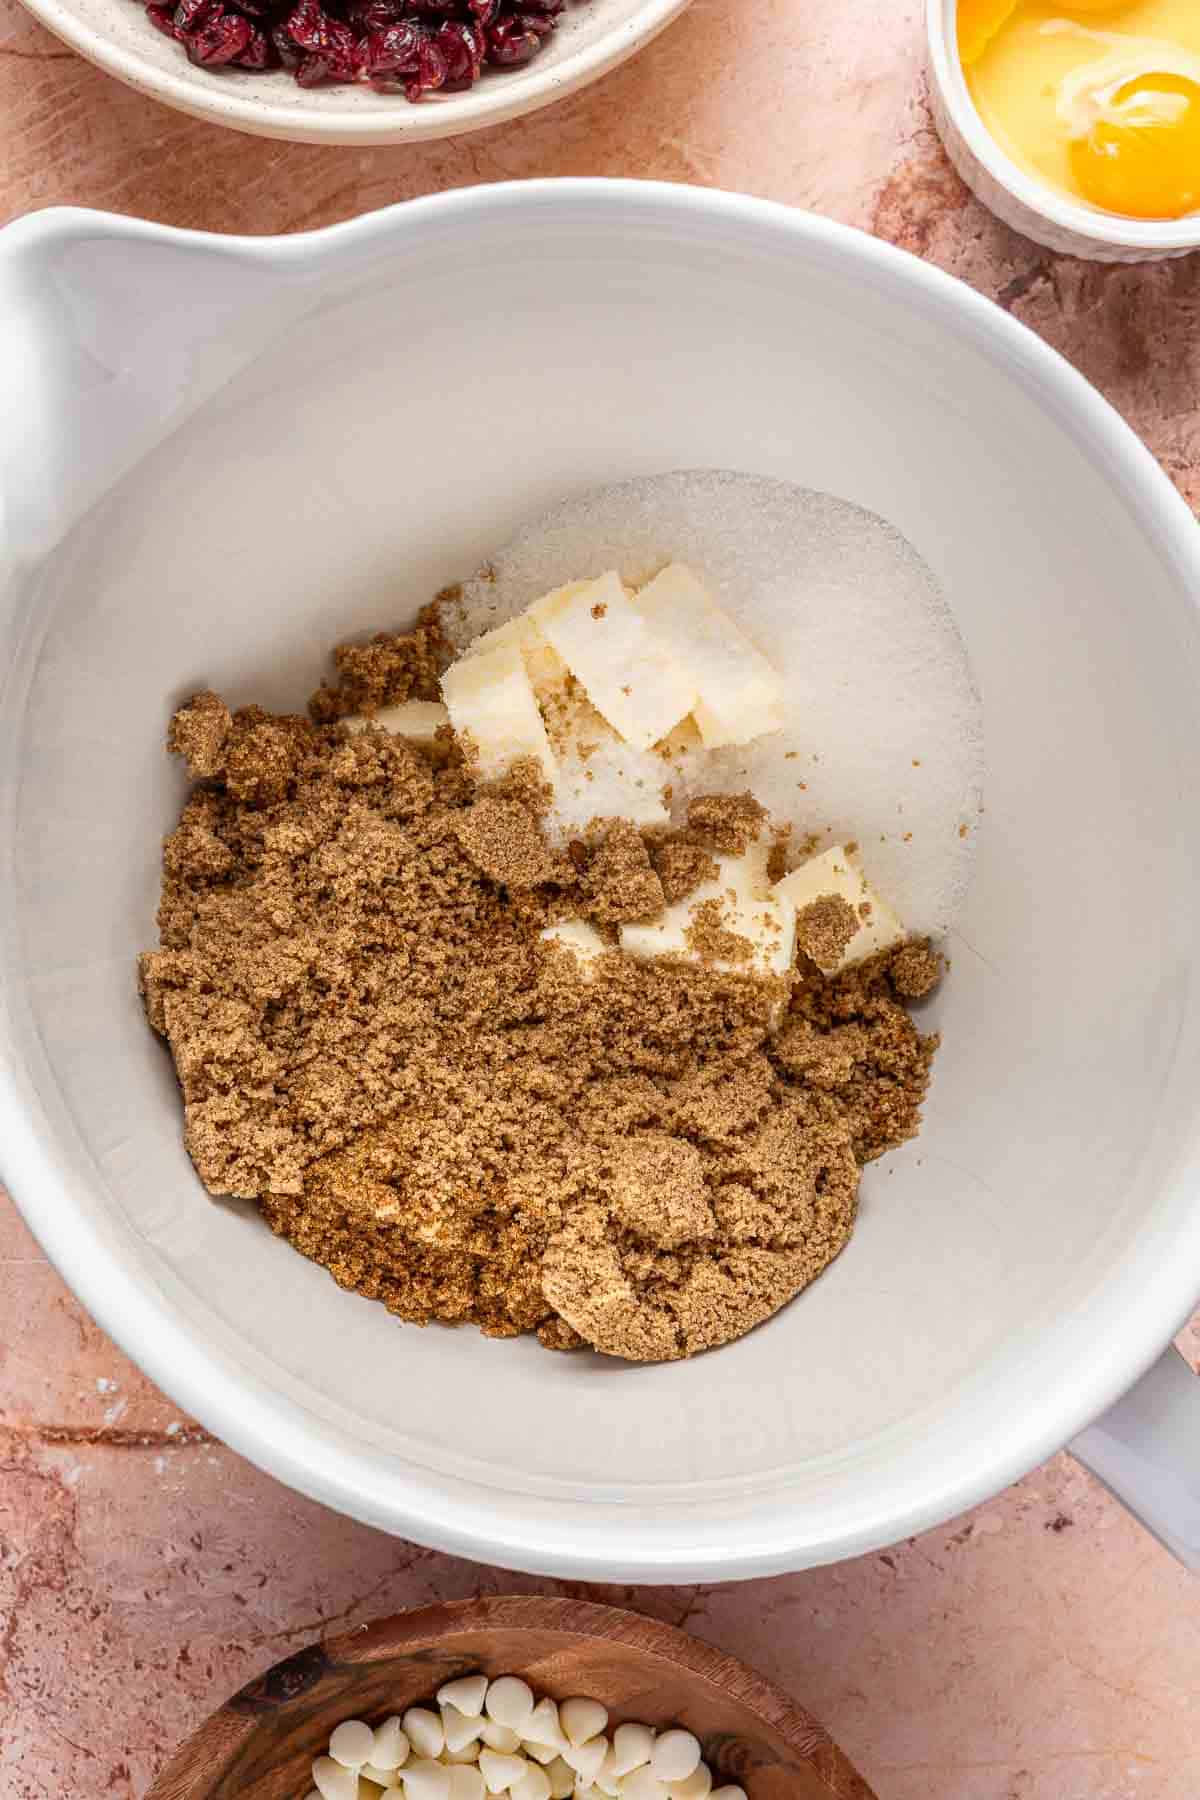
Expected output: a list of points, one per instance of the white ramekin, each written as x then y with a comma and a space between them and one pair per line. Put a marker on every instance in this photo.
1028, 205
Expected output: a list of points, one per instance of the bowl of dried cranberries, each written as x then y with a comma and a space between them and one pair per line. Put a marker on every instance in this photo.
356, 71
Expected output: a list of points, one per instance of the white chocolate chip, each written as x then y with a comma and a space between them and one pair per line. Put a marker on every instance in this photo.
334, 1780
533, 1785
698, 1785
424, 1731
643, 1784
351, 1743
390, 1747
424, 1779
384, 1778
467, 1694
732, 1792
607, 1781
582, 1719
543, 1753
510, 1702
633, 1745
500, 1737
676, 1755
466, 1784
468, 1754
459, 1728
500, 1772
562, 1779
587, 1759
543, 1727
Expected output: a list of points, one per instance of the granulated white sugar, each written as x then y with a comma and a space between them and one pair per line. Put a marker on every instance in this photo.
884, 743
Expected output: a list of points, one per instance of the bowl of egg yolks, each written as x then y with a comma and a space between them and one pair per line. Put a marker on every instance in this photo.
1076, 121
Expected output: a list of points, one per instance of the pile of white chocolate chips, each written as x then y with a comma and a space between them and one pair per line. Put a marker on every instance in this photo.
491, 1737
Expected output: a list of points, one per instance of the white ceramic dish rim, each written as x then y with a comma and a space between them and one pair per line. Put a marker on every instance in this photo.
1101, 1349
1155, 236
499, 97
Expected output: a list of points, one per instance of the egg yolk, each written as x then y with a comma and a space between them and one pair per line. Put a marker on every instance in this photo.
978, 23
1143, 159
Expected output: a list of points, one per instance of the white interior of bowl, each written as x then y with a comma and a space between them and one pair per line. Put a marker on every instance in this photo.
1012, 1270
1155, 236
593, 37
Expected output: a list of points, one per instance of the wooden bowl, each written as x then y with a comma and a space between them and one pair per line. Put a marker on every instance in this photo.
261, 1744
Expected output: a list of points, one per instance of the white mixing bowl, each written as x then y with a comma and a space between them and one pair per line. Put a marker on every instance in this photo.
220, 455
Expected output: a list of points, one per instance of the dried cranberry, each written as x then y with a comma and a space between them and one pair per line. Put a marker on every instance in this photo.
190, 15
483, 11
392, 51
431, 70
510, 43
462, 50
218, 41
308, 24
260, 52
286, 50
164, 18
366, 16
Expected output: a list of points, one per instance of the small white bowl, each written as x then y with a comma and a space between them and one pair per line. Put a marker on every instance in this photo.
117, 36
1028, 205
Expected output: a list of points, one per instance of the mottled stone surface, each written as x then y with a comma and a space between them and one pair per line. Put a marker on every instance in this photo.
1043, 1648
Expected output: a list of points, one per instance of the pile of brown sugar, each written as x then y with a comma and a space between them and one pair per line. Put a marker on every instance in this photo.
457, 1118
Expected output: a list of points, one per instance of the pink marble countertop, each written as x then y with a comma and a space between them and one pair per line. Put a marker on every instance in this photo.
1043, 1648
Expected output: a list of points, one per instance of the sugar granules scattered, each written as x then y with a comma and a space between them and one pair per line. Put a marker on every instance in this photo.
885, 746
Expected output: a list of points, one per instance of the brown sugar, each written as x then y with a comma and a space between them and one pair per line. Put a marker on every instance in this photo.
711, 938
393, 667
198, 733
621, 882
454, 1118
729, 821
681, 865
824, 928
658, 1190
503, 840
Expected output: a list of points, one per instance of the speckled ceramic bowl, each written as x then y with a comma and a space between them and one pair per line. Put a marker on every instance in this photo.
261, 1744
1029, 205
594, 37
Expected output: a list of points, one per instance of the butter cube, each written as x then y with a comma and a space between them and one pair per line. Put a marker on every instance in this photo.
631, 679
419, 720
762, 920
493, 708
833, 873
740, 696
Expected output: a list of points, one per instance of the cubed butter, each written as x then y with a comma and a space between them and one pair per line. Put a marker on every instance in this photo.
762, 919
739, 694
629, 676
546, 669
492, 706
419, 720
833, 873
